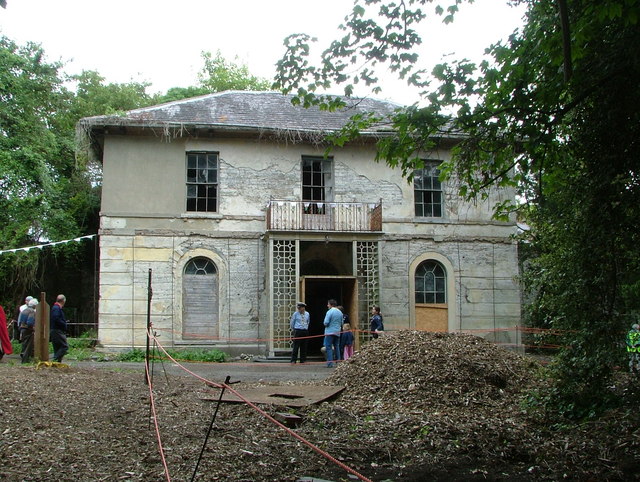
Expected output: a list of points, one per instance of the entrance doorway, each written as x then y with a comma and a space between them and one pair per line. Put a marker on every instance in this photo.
317, 291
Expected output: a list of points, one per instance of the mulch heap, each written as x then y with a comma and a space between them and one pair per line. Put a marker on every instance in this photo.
436, 405
452, 407
414, 370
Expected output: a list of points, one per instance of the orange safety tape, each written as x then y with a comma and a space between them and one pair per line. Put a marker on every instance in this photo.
155, 422
268, 417
545, 331
262, 340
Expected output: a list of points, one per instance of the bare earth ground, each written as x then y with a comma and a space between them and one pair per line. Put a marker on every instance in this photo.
417, 406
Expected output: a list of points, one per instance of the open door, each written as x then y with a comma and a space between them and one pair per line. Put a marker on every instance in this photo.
317, 290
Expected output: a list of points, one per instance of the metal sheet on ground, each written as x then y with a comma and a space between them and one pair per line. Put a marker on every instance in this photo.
286, 395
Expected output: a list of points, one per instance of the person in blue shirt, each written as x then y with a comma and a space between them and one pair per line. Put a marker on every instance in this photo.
332, 329
299, 323
58, 334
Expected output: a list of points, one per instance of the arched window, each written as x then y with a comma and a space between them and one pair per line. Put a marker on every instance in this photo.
200, 266
200, 299
431, 282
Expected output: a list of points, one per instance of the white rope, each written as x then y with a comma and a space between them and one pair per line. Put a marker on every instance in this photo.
40, 246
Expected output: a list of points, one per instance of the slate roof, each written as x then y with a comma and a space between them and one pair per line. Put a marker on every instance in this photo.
244, 110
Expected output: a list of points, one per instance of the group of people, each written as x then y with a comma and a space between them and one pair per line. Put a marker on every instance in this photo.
25, 324
338, 337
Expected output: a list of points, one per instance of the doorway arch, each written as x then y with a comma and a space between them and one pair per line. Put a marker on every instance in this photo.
200, 299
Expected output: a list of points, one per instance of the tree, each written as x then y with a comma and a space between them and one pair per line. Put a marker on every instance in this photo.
94, 97
179, 93
48, 193
35, 162
555, 114
219, 74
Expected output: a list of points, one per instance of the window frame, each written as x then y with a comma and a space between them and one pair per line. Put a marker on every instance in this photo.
316, 195
428, 191
437, 295
203, 199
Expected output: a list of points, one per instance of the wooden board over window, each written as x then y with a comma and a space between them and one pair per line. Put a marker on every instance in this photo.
200, 300
432, 317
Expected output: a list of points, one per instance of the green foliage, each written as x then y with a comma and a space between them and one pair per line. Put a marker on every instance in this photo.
179, 93
95, 97
219, 74
41, 184
135, 355
86, 341
200, 355
49, 192
553, 114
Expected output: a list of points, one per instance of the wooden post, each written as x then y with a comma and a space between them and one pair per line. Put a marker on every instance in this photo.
147, 357
41, 332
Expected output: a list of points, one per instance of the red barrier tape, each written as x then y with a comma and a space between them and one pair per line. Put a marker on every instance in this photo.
155, 422
266, 415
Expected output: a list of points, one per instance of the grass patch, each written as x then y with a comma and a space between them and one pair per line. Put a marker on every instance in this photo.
200, 355
135, 355
83, 348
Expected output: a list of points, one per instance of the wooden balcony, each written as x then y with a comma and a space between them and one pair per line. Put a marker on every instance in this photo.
324, 216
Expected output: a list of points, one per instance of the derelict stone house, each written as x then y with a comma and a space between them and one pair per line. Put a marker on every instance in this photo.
231, 203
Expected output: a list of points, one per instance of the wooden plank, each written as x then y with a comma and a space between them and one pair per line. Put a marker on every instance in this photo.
432, 317
200, 306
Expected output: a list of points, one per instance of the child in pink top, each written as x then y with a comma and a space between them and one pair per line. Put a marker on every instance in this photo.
346, 340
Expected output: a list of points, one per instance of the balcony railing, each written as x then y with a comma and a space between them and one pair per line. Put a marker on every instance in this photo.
324, 216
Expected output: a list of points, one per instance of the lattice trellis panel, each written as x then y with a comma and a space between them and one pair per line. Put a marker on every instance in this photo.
368, 282
284, 291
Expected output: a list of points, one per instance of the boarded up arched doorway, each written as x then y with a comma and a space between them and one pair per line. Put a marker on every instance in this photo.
431, 297
200, 299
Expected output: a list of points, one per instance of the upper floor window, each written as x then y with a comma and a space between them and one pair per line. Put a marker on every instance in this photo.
202, 181
427, 190
317, 183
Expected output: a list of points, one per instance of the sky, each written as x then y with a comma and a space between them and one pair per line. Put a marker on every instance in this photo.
160, 41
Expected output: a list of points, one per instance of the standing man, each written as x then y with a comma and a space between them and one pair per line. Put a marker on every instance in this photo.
300, 325
26, 304
16, 328
58, 333
333, 326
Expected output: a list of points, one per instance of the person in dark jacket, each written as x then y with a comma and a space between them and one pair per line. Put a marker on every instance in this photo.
58, 334
376, 324
299, 324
